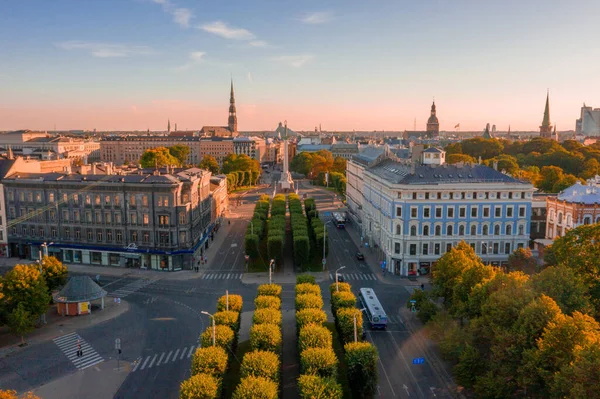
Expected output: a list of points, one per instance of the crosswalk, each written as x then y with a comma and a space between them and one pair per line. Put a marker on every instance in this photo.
132, 287
161, 359
394, 320
68, 344
355, 276
222, 276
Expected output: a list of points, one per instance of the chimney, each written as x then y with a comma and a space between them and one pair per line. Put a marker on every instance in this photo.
495, 165
94, 168
412, 168
479, 160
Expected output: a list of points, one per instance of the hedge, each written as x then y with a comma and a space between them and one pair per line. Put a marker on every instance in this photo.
345, 323
307, 301
270, 290
314, 336
251, 242
235, 303
256, 388
228, 318
265, 301
361, 360
342, 299
266, 337
319, 361
267, 316
210, 360
200, 386
261, 364
275, 246
224, 337
343, 287
308, 288
301, 247
308, 316
305, 278
312, 386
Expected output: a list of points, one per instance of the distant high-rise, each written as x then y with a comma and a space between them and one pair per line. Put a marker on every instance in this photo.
433, 125
589, 122
486, 132
546, 128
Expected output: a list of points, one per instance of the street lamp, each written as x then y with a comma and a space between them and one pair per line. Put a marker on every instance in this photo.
355, 329
252, 227
324, 242
271, 269
337, 288
247, 257
213, 325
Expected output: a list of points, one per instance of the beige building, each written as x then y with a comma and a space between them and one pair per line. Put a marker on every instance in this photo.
254, 147
220, 198
41, 145
218, 147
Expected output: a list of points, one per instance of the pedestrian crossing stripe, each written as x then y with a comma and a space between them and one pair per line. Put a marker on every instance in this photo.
222, 276
355, 276
161, 359
132, 287
68, 344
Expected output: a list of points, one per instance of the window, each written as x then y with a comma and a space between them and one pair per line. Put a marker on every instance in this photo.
163, 238
413, 212
186, 198
451, 195
510, 195
146, 219
462, 212
439, 195
398, 229
520, 245
449, 230
497, 211
98, 217
50, 197
133, 218
397, 248
65, 215
436, 248
475, 195
522, 212
399, 211
473, 230
473, 211
65, 198
461, 230
496, 248
119, 236
146, 237
133, 236
425, 249
426, 212
413, 230
163, 220
496, 230
107, 200
99, 235
53, 232
38, 197
485, 229
484, 248
507, 248
509, 211
426, 230
413, 249
108, 217
132, 200
414, 196
88, 200
11, 196
426, 195
181, 217
90, 235
486, 211
450, 212
118, 217
145, 200
449, 247
76, 216
117, 200
109, 235
78, 234
76, 199
21, 196
97, 200
30, 196
438, 230
438, 212
521, 230
498, 195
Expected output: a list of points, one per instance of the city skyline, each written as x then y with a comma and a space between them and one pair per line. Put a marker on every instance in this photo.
134, 64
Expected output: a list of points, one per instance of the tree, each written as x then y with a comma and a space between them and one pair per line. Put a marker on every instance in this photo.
256, 388
242, 162
581, 377
564, 286
24, 284
565, 182
20, 322
506, 162
157, 158
209, 163
312, 386
261, 364
210, 360
480, 147
319, 361
522, 260
302, 163
180, 153
13, 395
54, 272
550, 176
591, 168
339, 165
361, 358
456, 158
200, 386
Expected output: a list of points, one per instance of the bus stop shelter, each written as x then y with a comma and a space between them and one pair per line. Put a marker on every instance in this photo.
76, 296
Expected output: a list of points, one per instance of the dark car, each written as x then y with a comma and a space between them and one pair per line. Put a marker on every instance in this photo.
360, 256
340, 278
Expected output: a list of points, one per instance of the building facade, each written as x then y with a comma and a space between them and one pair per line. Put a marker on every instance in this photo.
588, 123
413, 214
42, 146
538, 216
220, 199
575, 206
344, 150
253, 147
150, 219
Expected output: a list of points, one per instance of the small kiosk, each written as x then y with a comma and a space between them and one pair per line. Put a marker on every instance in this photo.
77, 295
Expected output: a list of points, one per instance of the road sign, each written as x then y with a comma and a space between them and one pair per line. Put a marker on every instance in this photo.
326, 214
418, 360
118, 343
324, 261
413, 301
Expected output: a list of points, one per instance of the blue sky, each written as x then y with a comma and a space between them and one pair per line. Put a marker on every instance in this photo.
131, 64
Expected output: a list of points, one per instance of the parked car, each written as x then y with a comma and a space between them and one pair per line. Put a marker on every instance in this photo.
360, 256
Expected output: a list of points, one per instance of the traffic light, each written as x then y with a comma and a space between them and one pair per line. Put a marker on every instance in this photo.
119, 351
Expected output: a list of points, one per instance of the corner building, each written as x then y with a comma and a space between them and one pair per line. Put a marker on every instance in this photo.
415, 213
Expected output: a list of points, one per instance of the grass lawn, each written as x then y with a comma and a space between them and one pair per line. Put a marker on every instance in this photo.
343, 368
232, 376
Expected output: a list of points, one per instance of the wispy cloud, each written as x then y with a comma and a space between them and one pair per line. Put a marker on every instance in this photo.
250, 77
258, 43
181, 16
221, 29
105, 50
194, 58
296, 61
316, 18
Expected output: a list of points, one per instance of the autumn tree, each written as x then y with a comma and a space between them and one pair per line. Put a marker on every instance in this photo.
456, 158
242, 162
24, 284
339, 165
522, 260
180, 153
302, 163
13, 395
157, 158
54, 272
209, 163
564, 286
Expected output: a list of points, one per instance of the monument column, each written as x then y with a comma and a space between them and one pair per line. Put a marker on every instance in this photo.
286, 182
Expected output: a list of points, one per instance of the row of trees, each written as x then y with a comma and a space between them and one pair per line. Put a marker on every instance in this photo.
316, 229
509, 334
260, 367
276, 228
301, 242
210, 362
25, 293
239, 179
318, 362
257, 228
361, 356
315, 165
535, 160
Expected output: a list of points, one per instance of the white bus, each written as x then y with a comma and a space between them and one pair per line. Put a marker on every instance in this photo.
374, 310
339, 220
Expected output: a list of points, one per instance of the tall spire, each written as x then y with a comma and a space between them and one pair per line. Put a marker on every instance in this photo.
169, 126
232, 121
546, 121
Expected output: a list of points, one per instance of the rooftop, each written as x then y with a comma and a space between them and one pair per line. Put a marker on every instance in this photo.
586, 194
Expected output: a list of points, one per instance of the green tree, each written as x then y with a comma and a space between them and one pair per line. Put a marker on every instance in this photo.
20, 322
209, 163
522, 260
302, 163
591, 168
506, 162
480, 147
456, 158
564, 286
157, 157
180, 153
361, 358
581, 377
565, 182
242, 162
550, 176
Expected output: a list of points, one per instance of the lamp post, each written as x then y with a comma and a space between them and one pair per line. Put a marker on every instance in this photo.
325, 242
247, 258
213, 325
355, 328
252, 227
271, 270
337, 288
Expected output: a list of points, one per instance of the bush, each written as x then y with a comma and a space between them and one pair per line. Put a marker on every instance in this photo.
361, 360
210, 360
343, 287
270, 302
269, 290
305, 278
265, 337
312, 386
200, 386
261, 364
251, 242
267, 316
319, 361
308, 316
309, 301
308, 288
229, 318
235, 303
224, 337
301, 247
275, 246
345, 323
314, 336
341, 300
256, 388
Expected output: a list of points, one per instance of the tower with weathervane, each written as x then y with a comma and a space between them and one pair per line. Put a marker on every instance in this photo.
433, 125
546, 128
232, 120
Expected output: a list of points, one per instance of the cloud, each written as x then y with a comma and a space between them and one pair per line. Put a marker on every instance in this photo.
181, 16
105, 50
258, 43
316, 18
194, 58
221, 29
295, 61
250, 77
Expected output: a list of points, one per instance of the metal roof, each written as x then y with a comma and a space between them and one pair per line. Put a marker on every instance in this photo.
80, 289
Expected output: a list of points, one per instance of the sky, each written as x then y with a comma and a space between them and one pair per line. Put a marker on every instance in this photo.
344, 65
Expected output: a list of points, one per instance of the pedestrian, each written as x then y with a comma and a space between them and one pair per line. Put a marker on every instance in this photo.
206, 260
422, 287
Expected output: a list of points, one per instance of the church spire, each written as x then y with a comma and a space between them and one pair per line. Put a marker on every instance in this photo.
168, 125
546, 121
232, 121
